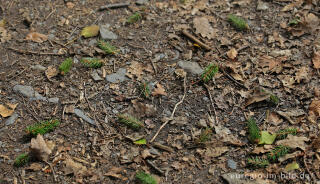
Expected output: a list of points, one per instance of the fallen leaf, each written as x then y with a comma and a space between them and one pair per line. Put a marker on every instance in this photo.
232, 53
141, 109
37, 37
216, 151
288, 156
7, 110
140, 142
274, 118
74, 167
203, 27
267, 138
292, 5
70, 5
316, 60
302, 74
259, 95
35, 167
314, 110
135, 69
4, 35
294, 142
115, 172
51, 71
312, 22
292, 166
159, 90
40, 149
270, 64
262, 149
90, 31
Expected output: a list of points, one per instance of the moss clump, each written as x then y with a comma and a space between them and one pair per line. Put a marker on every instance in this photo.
21, 160
209, 73
92, 62
145, 178
130, 121
134, 18
238, 22
65, 66
42, 127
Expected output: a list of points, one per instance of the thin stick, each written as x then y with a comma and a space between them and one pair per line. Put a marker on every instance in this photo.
116, 5
155, 167
174, 110
36, 53
53, 173
154, 66
205, 46
211, 99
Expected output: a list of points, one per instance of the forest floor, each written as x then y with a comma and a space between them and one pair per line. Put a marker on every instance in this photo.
193, 120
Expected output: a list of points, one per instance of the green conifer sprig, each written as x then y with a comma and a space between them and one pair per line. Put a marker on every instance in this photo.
278, 152
238, 22
134, 18
209, 72
107, 47
65, 66
274, 99
254, 131
130, 121
42, 127
258, 162
145, 178
282, 134
92, 62
205, 135
21, 160
145, 90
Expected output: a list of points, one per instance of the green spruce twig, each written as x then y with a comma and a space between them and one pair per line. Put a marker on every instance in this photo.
254, 131
107, 47
65, 66
21, 160
274, 99
209, 72
238, 22
134, 18
278, 152
130, 121
92, 62
145, 90
205, 135
258, 162
42, 127
145, 178
282, 134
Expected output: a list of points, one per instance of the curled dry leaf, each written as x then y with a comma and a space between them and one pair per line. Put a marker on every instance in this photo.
136, 69
259, 95
74, 167
270, 64
314, 110
203, 27
216, 152
51, 71
232, 53
7, 110
37, 37
274, 118
294, 142
40, 149
116, 173
316, 60
159, 90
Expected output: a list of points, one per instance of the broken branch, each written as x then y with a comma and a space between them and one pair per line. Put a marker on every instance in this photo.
193, 38
116, 5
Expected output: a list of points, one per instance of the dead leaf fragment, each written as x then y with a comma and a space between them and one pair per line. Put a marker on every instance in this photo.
316, 60
7, 110
40, 149
136, 69
259, 95
216, 151
115, 172
74, 167
51, 71
35, 167
4, 35
314, 110
37, 37
203, 27
274, 118
70, 5
294, 142
232, 53
159, 90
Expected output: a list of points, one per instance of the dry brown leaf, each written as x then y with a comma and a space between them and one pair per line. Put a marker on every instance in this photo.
270, 64
216, 151
51, 71
140, 109
4, 35
274, 118
259, 95
74, 167
37, 37
288, 156
262, 149
290, 6
70, 5
7, 110
302, 74
136, 69
159, 90
316, 60
115, 172
312, 21
35, 167
314, 110
40, 149
203, 27
294, 142
232, 53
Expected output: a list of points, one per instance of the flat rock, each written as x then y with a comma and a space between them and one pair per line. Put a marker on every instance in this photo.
28, 91
96, 76
142, 2
262, 5
80, 114
232, 164
38, 67
12, 119
106, 34
54, 100
120, 76
191, 67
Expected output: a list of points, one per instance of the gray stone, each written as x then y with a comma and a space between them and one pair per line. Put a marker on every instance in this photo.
191, 67
106, 34
92, 42
54, 100
120, 76
262, 5
232, 164
80, 114
96, 76
27, 91
142, 2
12, 119
38, 67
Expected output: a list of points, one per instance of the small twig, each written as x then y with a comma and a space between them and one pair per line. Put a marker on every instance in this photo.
193, 38
36, 53
163, 147
85, 96
50, 14
53, 173
174, 110
116, 5
156, 168
212, 104
154, 67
